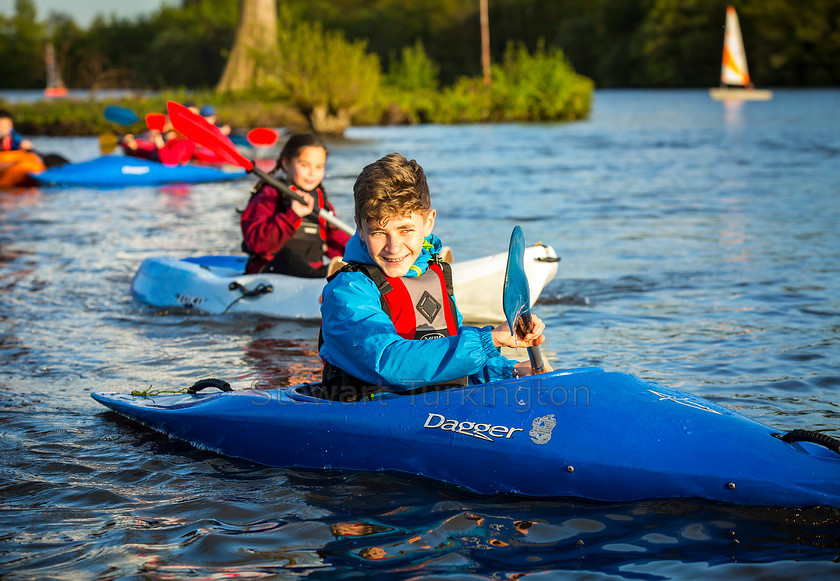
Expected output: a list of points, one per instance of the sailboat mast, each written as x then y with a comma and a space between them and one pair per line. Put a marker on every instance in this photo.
55, 86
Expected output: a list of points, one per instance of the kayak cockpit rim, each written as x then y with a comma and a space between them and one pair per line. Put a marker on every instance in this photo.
311, 392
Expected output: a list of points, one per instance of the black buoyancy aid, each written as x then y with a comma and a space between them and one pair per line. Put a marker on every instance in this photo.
421, 307
310, 238
311, 235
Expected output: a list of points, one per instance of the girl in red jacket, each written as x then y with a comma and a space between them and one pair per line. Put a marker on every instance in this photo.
282, 235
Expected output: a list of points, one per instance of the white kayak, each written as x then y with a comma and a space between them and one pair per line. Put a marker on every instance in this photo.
217, 285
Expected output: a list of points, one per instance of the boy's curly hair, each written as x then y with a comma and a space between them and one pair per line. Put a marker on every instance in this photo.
390, 186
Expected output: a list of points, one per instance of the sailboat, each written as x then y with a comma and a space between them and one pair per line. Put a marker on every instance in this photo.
734, 75
55, 86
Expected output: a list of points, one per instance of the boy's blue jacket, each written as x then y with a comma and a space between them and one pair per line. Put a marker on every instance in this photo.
360, 338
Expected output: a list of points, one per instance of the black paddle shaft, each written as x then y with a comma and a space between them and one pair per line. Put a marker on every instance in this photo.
534, 353
288, 192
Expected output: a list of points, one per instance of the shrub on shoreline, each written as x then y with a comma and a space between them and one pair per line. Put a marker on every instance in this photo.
525, 87
66, 117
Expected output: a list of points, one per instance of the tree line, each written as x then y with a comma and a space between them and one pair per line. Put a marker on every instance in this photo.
617, 43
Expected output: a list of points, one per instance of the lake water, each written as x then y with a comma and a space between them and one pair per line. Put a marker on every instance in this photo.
14, 96
699, 248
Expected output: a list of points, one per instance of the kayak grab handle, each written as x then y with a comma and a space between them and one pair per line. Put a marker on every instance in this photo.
832, 444
203, 383
549, 259
260, 289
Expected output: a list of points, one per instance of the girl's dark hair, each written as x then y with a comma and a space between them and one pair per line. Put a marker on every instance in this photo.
296, 143
291, 149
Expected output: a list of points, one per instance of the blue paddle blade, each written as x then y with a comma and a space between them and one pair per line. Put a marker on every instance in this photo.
516, 299
239, 140
120, 115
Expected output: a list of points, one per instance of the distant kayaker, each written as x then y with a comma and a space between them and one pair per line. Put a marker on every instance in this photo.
139, 145
172, 148
164, 145
282, 235
394, 292
209, 114
11, 140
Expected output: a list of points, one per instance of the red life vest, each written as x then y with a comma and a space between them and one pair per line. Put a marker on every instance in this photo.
421, 307
11, 142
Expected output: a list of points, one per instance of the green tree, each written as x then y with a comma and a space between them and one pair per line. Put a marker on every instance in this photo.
22, 49
5, 47
413, 70
410, 93
174, 47
681, 42
540, 85
112, 54
449, 29
792, 43
194, 43
617, 43
527, 86
324, 75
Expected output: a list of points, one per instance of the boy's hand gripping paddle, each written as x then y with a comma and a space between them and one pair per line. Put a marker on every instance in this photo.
195, 127
516, 298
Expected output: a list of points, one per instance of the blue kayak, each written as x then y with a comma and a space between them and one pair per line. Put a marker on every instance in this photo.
581, 433
121, 171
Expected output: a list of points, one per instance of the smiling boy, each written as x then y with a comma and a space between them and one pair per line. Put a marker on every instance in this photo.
389, 320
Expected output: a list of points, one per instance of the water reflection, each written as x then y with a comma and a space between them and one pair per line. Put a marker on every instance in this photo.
280, 362
16, 198
733, 112
609, 539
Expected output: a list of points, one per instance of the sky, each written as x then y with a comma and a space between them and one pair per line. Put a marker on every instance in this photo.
83, 11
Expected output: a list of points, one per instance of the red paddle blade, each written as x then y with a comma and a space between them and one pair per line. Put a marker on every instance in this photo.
262, 137
195, 127
156, 121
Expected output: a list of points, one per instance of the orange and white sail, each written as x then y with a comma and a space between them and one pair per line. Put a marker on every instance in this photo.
734, 75
734, 68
